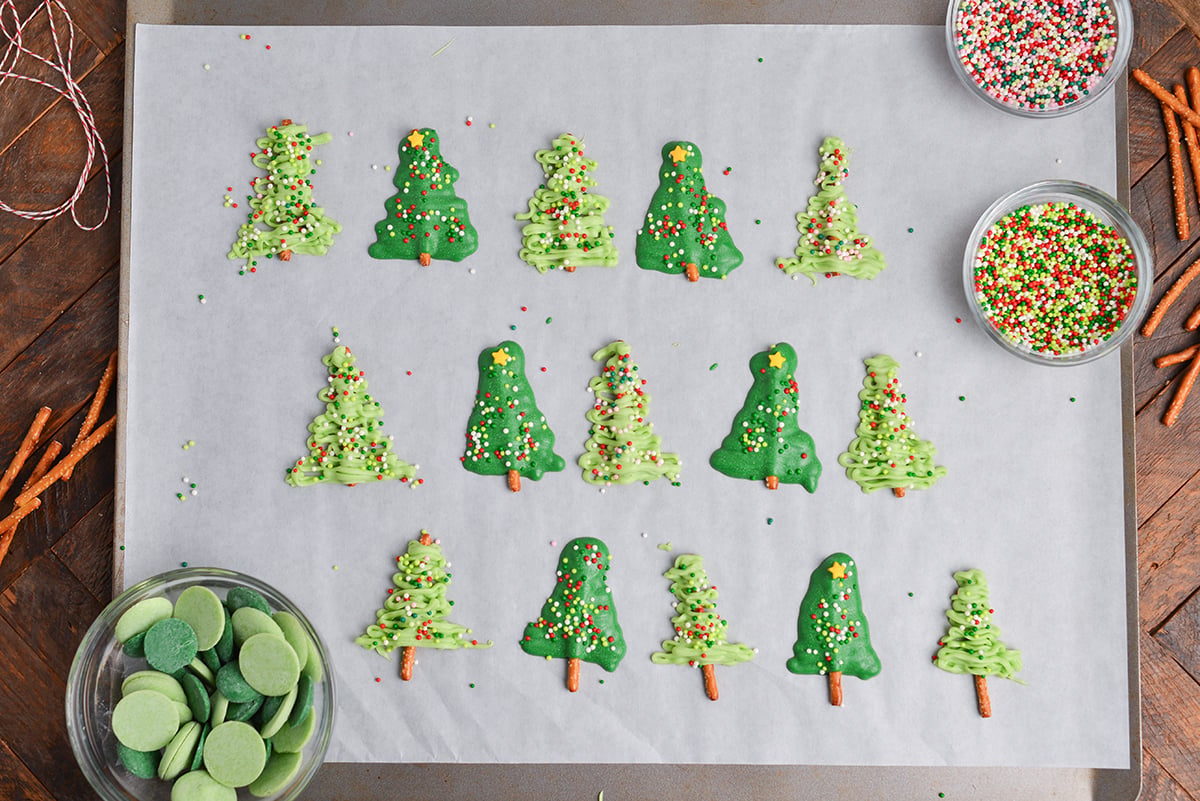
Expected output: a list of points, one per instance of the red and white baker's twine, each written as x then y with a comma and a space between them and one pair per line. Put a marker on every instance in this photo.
70, 90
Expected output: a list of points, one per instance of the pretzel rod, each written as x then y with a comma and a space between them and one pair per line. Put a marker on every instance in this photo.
93, 412
1177, 179
710, 681
1160, 310
1193, 320
8, 526
1193, 147
23, 451
1178, 357
43, 465
69, 461
1156, 89
1185, 386
981, 695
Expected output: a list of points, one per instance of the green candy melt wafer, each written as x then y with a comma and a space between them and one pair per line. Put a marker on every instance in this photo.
170, 645
234, 754
293, 632
143, 764
141, 616
268, 664
177, 756
280, 770
199, 786
238, 597
197, 697
154, 680
291, 738
201, 609
145, 720
248, 621
233, 685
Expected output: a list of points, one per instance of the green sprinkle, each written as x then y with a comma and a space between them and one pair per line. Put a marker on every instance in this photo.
712, 366
549, 320
471, 685
512, 328
770, 520
1072, 400
962, 397
665, 546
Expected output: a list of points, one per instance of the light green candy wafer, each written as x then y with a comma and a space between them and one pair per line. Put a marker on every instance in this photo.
141, 616
177, 756
155, 680
249, 621
281, 715
145, 720
219, 705
294, 633
268, 664
201, 609
199, 786
291, 739
280, 770
234, 754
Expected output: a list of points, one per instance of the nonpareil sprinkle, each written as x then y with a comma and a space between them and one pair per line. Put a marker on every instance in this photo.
1055, 279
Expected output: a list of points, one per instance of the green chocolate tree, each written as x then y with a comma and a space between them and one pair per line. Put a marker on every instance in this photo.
699, 638
578, 620
623, 447
507, 435
426, 220
766, 442
282, 219
566, 222
684, 230
832, 637
346, 443
886, 451
830, 242
414, 613
972, 642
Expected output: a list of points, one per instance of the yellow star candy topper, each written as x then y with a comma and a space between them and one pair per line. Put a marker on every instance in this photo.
837, 570
678, 154
500, 357
416, 138
776, 359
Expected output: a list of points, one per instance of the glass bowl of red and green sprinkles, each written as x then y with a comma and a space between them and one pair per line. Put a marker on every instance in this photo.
1058, 273
1039, 58
200, 684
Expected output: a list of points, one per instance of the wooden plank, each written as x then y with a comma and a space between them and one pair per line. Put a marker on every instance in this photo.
16, 782
104, 23
1153, 25
1153, 208
1180, 634
1158, 785
1170, 713
1188, 11
1169, 556
1147, 141
86, 549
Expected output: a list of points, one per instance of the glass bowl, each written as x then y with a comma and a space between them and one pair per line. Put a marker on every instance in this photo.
1122, 16
1105, 209
100, 665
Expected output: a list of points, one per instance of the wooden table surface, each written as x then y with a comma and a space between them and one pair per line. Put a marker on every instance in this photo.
58, 325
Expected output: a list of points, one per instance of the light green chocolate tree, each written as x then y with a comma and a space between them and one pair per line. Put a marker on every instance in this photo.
886, 451
282, 220
972, 642
700, 637
346, 443
830, 241
414, 614
623, 447
566, 226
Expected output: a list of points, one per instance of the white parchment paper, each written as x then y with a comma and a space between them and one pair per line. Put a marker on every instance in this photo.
1034, 490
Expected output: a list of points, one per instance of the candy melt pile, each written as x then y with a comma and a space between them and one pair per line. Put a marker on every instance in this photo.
1035, 54
1054, 279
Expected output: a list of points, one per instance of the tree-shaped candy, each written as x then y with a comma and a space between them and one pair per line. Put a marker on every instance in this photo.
623, 447
566, 222
972, 642
507, 435
414, 614
830, 241
578, 620
832, 637
346, 443
426, 220
684, 230
699, 631
766, 442
886, 451
282, 219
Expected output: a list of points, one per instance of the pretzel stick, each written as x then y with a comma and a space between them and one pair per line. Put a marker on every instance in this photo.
835, 688
1185, 386
1176, 358
1156, 89
1177, 179
93, 412
573, 674
43, 465
1193, 147
981, 695
1193, 320
8, 526
69, 461
26, 448
710, 681
1160, 310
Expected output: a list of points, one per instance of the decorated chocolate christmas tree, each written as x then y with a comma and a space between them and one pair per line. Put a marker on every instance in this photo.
886, 451
699, 639
623, 447
684, 230
972, 642
766, 442
414, 614
507, 435
578, 620
282, 219
346, 443
566, 222
830, 241
832, 637
425, 219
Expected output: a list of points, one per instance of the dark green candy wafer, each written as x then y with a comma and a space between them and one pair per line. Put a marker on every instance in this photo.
135, 646
244, 596
211, 660
143, 764
198, 759
243, 711
197, 697
304, 700
233, 686
224, 646
170, 645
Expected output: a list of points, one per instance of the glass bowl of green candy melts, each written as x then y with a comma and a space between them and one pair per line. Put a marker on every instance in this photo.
1058, 273
200, 684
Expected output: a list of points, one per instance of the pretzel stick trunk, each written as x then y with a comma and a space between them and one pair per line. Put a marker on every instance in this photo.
835, 687
1179, 357
1156, 89
693, 272
26, 447
1189, 138
8, 526
1177, 179
1185, 386
573, 674
69, 461
408, 658
1160, 309
514, 481
898, 492
772, 482
710, 681
93, 412
981, 695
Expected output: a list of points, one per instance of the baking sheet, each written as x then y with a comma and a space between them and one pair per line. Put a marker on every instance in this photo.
1034, 494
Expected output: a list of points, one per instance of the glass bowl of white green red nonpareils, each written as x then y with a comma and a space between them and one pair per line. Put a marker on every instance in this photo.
1039, 58
1058, 273
200, 683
